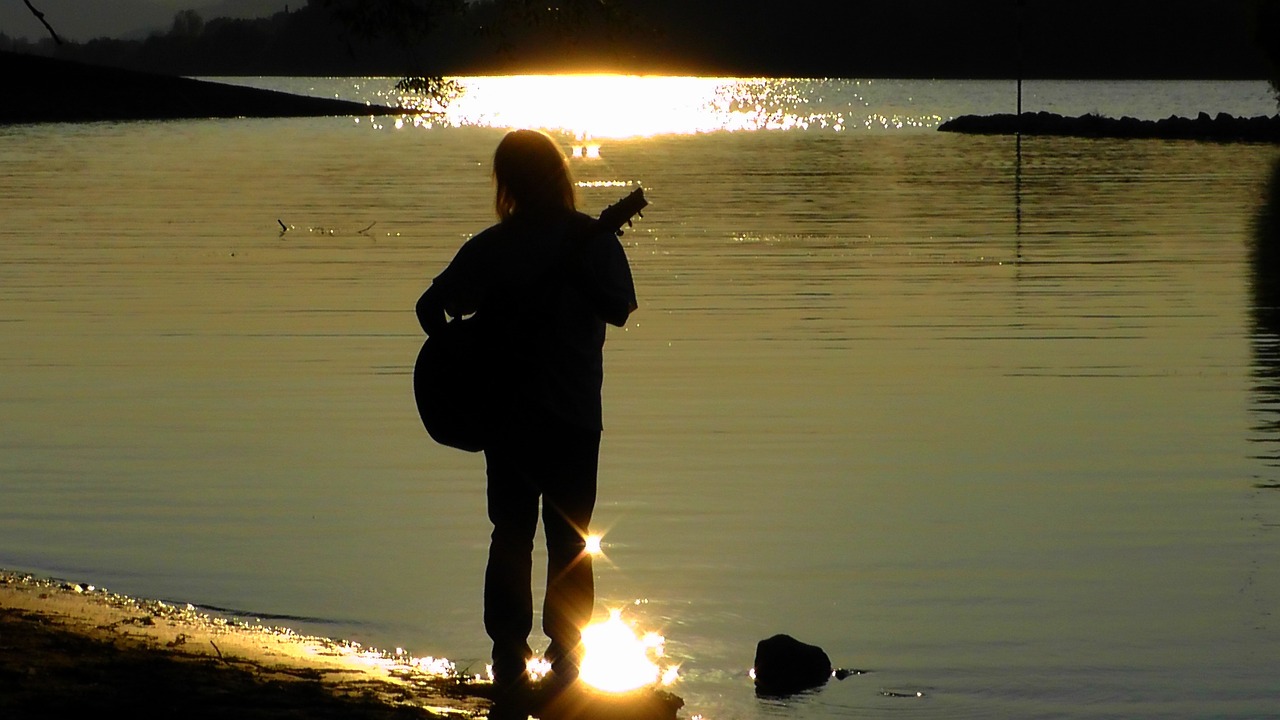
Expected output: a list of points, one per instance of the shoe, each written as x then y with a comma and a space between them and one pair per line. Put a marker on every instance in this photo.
514, 696
510, 671
559, 680
507, 685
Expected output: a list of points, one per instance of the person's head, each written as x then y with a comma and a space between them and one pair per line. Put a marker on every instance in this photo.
531, 175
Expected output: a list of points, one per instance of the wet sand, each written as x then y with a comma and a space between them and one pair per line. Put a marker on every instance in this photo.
68, 648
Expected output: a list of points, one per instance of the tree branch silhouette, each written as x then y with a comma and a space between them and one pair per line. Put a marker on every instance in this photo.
40, 16
409, 24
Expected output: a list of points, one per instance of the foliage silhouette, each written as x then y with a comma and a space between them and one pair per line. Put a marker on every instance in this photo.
1268, 39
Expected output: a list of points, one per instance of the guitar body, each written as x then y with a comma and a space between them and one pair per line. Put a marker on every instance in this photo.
451, 386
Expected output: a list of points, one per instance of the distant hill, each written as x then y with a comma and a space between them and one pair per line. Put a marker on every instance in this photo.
971, 38
244, 8
1203, 39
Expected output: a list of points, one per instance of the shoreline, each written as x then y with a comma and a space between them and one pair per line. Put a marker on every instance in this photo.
67, 648
74, 647
1219, 128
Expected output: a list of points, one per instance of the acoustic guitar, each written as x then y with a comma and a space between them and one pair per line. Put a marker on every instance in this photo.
449, 383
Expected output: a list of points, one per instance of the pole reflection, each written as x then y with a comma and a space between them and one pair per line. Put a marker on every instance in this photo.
1264, 279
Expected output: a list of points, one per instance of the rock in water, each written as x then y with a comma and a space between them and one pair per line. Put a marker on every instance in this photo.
785, 665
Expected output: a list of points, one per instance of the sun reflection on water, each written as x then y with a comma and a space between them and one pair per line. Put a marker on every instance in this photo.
616, 658
592, 108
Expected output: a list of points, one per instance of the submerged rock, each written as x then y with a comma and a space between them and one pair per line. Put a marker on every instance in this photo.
785, 665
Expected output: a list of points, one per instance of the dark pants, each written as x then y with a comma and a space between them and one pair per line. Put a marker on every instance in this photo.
560, 467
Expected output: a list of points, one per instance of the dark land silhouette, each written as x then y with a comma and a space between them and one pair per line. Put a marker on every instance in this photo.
39, 89
1221, 127
1086, 39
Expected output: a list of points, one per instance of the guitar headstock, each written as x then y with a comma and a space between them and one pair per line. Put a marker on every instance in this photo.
622, 212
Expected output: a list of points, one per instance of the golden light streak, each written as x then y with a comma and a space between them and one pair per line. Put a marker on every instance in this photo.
590, 107
617, 660
594, 109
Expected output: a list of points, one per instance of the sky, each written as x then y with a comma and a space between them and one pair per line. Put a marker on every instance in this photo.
82, 20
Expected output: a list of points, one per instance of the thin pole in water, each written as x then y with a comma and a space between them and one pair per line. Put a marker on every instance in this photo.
1018, 32
1017, 168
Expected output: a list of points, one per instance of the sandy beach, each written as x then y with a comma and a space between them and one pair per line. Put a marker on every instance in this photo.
68, 647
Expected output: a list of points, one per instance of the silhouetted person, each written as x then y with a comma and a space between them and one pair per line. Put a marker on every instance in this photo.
546, 286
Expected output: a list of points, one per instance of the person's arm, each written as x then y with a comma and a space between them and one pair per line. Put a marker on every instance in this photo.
608, 279
458, 289
430, 310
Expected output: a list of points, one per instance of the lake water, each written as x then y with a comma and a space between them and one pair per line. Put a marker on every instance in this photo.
1000, 430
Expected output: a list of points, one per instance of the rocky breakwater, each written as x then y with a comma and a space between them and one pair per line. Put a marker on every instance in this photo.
1222, 127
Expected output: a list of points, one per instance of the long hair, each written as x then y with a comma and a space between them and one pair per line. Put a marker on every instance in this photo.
532, 175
